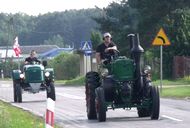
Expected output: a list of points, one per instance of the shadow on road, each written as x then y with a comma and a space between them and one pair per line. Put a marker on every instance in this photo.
124, 119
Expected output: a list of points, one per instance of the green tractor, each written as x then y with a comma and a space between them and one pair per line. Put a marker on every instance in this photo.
33, 79
121, 83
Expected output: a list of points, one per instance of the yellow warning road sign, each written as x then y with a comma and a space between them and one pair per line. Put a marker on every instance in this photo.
161, 38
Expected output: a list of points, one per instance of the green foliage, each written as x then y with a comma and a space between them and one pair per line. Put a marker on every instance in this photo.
96, 39
73, 26
56, 40
147, 17
8, 66
66, 66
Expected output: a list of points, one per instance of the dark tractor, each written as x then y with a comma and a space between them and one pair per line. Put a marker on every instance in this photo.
122, 84
33, 79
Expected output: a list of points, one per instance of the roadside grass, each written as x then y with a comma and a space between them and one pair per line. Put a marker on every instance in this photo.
181, 81
12, 117
176, 92
77, 81
179, 88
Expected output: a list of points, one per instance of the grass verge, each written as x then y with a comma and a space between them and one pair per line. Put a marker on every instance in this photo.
176, 92
182, 81
12, 117
77, 81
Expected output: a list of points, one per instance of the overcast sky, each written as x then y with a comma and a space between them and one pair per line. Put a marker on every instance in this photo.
35, 7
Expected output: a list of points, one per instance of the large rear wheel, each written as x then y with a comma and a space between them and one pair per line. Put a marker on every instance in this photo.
100, 104
92, 81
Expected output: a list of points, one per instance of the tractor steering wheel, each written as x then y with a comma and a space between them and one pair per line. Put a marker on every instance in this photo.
112, 55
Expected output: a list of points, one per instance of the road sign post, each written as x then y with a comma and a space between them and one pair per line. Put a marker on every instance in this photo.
86, 46
161, 69
160, 40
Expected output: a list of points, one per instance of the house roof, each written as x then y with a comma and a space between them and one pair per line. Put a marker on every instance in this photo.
38, 48
54, 52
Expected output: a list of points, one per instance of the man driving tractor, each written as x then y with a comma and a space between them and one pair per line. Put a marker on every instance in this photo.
31, 58
105, 50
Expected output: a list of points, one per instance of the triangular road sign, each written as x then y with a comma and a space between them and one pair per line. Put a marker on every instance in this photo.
86, 45
161, 38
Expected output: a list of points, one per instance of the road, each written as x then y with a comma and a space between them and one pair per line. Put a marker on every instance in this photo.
70, 111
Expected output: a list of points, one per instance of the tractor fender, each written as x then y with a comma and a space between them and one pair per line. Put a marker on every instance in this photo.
16, 74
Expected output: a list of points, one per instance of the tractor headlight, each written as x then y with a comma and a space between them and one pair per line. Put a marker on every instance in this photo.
147, 69
104, 72
21, 76
47, 74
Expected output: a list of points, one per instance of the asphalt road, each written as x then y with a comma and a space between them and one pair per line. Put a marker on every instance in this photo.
70, 110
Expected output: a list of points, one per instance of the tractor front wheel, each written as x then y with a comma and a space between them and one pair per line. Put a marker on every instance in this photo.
100, 104
155, 108
17, 93
51, 91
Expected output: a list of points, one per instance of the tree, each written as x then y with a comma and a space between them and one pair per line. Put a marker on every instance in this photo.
55, 40
96, 39
146, 17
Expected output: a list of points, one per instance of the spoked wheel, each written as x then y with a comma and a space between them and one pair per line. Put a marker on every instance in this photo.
51, 91
155, 107
100, 104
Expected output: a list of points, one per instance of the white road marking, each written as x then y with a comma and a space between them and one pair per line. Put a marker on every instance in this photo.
5, 85
71, 96
172, 118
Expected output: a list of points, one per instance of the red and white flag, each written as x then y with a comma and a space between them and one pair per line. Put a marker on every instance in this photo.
16, 47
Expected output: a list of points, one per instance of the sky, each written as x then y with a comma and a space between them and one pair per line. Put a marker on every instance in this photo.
36, 7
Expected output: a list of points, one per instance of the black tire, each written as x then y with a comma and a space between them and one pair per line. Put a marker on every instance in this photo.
14, 92
155, 108
18, 91
92, 81
51, 91
90, 103
100, 104
143, 112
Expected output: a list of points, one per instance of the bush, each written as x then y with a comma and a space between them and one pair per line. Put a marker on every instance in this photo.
66, 66
8, 67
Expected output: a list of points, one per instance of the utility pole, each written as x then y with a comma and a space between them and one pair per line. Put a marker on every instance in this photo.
10, 32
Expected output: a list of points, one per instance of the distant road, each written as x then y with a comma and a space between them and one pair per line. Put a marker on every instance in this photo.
70, 110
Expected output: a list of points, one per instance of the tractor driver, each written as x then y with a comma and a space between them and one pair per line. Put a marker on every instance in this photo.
105, 50
31, 58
